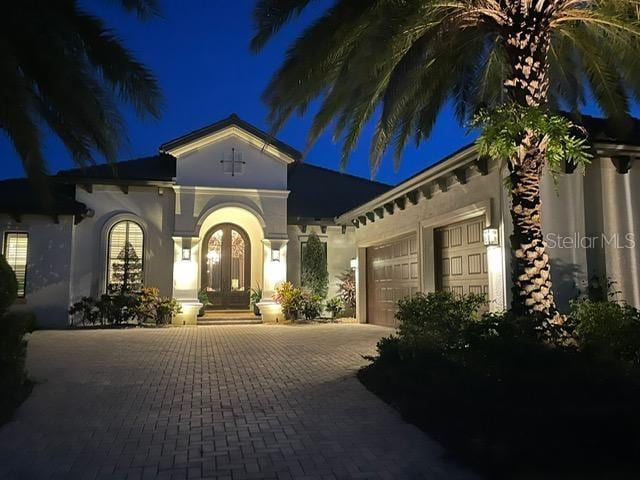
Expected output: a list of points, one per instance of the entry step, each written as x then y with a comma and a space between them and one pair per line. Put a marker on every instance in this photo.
229, 317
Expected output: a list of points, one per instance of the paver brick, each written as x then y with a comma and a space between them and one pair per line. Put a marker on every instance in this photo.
223, 402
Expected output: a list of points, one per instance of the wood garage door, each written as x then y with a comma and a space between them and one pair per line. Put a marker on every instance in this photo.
392, 274
461, 258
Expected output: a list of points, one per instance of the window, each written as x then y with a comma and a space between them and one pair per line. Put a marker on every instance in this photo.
125, 256
15, 251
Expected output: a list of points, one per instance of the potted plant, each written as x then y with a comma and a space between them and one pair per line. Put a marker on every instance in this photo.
203, 298
334, 305
255, 297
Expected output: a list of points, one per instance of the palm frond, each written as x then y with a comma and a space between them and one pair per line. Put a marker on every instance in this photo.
270, 15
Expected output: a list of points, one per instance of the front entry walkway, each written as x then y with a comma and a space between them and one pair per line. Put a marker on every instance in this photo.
237, 402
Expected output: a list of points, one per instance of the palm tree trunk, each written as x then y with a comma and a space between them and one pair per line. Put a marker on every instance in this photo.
527, 46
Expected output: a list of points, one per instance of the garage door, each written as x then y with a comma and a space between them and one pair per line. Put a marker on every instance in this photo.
392, 273
461, 258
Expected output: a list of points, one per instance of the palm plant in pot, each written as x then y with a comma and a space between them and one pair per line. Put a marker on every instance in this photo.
255, 297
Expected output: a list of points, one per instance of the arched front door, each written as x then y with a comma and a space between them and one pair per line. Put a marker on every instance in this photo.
226, 267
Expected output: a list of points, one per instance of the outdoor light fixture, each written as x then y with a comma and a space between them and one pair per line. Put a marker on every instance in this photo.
275, 255
490, 237
353, 263
186, 254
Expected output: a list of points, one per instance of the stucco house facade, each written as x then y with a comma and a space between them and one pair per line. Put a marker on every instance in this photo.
227, 208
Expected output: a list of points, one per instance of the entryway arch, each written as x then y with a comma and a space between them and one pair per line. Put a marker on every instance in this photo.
225, 266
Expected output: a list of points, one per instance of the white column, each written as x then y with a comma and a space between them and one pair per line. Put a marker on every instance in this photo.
185, 279
274, 273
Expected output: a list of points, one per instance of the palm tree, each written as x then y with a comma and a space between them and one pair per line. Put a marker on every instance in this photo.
62, 69
402, 61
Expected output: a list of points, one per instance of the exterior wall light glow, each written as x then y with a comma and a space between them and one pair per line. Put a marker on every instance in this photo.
353, 263
186, 254
275, 255
490, 237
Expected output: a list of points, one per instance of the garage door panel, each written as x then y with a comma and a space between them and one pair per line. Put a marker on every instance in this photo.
392, 274
461, 257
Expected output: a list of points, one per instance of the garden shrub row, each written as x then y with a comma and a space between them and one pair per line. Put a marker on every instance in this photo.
15, 386
511, 398
121, 307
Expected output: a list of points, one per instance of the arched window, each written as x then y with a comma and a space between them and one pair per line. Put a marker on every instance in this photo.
125, 257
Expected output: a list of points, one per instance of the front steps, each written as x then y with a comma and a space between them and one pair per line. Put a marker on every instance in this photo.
229, 317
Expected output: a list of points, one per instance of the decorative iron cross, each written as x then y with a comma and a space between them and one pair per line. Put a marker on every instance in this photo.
233, 162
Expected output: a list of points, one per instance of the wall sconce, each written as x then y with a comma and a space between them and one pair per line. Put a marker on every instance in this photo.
186, 254
353, 263
490, 237
275, 255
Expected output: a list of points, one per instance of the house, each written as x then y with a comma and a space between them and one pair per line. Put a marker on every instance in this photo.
228, 208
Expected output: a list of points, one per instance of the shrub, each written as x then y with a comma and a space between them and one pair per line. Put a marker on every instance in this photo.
608, 329
166, 309
347, 290
8, 285
311, 304
334, 305
314, 274
87, 311
436, 319
499, 394
14, 383
290, 299
146, 305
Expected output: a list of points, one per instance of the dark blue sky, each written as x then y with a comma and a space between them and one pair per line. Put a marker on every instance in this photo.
199, 53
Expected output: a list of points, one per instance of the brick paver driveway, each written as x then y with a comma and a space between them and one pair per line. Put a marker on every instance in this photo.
220, 402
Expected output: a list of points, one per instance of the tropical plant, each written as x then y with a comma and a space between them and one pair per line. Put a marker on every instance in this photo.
290, 299
254, 298
347, 289
311, 305
145, 306
203, 298
334, 306
519, 60
62, 68
314, 274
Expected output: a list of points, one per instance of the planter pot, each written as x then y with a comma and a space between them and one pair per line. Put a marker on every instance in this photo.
256, 310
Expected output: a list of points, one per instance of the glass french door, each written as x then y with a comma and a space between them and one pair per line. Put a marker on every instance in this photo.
226, 267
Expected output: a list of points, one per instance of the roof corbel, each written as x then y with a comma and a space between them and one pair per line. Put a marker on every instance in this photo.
461, 175
622, 163
482, 165
400, 203
413, 197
